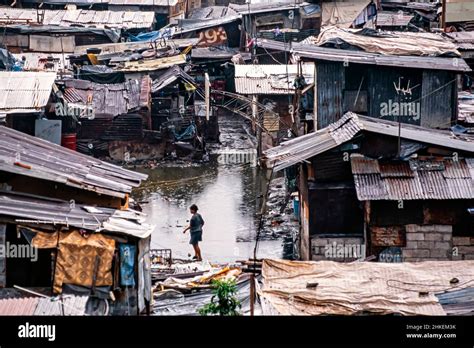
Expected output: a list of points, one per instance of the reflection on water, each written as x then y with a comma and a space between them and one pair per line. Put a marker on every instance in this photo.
227, 197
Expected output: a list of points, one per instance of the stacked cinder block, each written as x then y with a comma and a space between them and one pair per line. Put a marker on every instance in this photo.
463, 248
325, 249
428, 242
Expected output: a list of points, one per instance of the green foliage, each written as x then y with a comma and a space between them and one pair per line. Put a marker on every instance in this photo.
224, 301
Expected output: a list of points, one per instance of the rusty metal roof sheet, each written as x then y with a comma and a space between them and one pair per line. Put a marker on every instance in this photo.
18, 306
25, 91
106, 99
270, 78
87, 18
398, 180
24, 154
302, 148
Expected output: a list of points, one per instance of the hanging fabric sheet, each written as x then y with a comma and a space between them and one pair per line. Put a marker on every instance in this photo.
84, 260
127, 264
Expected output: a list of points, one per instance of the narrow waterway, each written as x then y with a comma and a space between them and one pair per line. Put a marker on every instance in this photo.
228, 197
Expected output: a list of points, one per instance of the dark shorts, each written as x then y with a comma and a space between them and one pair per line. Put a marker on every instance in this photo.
195, 237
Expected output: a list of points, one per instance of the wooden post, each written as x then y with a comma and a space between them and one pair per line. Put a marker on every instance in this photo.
444, 15
252, 294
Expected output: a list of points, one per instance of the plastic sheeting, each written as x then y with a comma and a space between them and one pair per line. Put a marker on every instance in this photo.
342, 14
361, 287
387, 43
101, 74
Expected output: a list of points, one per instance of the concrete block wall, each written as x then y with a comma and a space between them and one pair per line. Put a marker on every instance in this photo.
337, 249
463, 248
428, 242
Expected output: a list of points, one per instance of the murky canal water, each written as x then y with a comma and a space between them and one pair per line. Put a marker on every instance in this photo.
227, 197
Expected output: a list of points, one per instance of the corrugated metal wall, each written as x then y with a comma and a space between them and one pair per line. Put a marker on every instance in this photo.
382, 92
330, 85
438, 107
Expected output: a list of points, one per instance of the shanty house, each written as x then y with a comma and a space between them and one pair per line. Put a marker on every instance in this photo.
415, 83
274, 86
72, 216
59, 31
383, 188
282, 20
24, 97
164, 9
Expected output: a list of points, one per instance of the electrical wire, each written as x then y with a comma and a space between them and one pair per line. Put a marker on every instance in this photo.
425, 285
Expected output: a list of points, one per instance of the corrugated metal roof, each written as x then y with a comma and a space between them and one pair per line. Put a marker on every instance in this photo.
36, 210
26, 207
212, 12
400, 180
263, 7
26, 155
36, 61
458, 302
165, 3
393, 19
18, 306
69, 305
87, 18
359, 57
106, 99
25, 91
302, 148
27, 305
271, 78
170, 76
189, 25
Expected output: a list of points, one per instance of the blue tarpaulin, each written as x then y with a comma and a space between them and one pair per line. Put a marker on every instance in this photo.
127, 262
165, 33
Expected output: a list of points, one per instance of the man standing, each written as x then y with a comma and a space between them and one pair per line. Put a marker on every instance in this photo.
195, 227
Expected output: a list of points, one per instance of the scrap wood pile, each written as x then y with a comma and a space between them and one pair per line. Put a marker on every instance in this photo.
187, 275
199, 282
